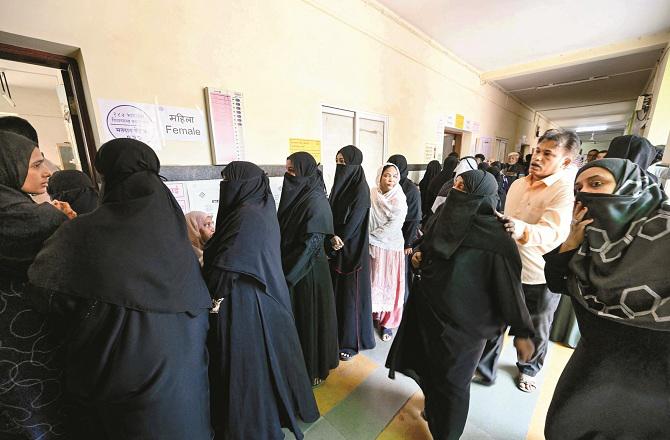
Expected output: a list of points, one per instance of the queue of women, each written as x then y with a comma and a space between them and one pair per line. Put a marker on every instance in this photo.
121, 319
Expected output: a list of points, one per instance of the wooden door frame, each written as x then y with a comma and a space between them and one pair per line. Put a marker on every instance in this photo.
74, 90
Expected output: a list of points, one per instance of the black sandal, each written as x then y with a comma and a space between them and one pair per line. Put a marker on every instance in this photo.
344, 356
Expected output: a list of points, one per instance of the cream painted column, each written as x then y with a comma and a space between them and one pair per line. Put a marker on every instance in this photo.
659, 125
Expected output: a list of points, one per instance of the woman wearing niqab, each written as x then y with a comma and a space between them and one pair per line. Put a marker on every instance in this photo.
74, 187
30, 371
127, 287
257, 370
469, 288
410, 229
447, 173
432, 169
305, 222
617, 382
350, 266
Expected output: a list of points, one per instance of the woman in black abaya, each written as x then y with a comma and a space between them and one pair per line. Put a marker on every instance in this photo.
257, 370
432, 169
350, 267
617, 382
447, 173
470, 287
305, 222
74, 187
30, 372
410, 228
637, 149
127, 287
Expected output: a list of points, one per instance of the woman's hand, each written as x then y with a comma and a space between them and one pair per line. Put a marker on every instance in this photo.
337, 243
409, 251
577, 228
65, 208
416, 260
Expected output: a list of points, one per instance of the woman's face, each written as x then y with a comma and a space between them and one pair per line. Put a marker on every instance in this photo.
207, 229
339, 159
459, 185
389, 179
595, 180
289, 167
38, 175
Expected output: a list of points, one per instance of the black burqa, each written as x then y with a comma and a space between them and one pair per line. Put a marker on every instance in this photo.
470, 287
447, 173
126, 285
257, 372
634, 148
617, 382
28, 343
305, 222
350, 266
75, 188
432, 169
410, 228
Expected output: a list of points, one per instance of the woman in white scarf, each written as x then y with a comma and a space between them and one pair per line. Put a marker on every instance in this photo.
387, 260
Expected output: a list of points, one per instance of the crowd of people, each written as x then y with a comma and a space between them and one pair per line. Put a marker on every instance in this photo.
123, 318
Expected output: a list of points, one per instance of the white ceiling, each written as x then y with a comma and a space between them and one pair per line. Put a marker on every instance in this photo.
491, 34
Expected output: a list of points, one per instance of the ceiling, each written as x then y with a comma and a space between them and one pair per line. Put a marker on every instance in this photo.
30, 75
505, 36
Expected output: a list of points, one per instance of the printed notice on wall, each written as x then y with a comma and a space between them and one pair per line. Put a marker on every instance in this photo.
178, 190
181, 124
431, 152
311, 146
203, 195
276, 184
132, 120
226, 125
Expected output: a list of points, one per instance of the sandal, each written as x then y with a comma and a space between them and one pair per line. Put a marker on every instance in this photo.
526, 383
387, 334
344, 356
481, 380
317, 382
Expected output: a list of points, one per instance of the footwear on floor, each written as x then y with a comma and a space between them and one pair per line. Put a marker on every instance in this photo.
526, 383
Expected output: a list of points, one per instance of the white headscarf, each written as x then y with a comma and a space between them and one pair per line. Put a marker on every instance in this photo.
387, 214
466, 164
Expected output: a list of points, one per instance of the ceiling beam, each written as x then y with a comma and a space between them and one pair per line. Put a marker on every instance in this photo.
637, 45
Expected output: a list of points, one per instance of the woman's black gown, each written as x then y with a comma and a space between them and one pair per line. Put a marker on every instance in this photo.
616, 384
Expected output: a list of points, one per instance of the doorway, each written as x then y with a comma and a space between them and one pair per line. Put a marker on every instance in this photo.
453, 142
46, 89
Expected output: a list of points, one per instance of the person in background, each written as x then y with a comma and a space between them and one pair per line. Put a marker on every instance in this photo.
637, 149
32, 370
468, 163
537, 215
200, 227
124, 284
410, 229
660, 171
387, 258
350, 262
480, 158
526, 164
257, 370
432, 170
513, 169
305, 223
591, 155
601, 154
74, 187
16, 125
469, 287
447, 173
502, 192
617, 382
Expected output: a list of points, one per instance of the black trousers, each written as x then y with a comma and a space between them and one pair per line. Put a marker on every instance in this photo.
542, 304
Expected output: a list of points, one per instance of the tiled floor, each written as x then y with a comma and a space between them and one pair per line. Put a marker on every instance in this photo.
359, 402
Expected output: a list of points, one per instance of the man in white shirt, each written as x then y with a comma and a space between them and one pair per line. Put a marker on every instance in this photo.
538, 211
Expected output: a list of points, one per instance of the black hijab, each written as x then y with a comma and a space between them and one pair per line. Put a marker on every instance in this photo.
468, 219
447, 173
133, 251
409, 188
432, 169
616, 270
634, 148
303, 207
24, 224
247, 240
76, 188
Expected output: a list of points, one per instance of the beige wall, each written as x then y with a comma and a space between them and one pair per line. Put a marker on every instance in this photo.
40, 106
658, 127
287, 57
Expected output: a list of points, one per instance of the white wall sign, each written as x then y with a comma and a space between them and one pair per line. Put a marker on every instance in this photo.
121, 119
181, 124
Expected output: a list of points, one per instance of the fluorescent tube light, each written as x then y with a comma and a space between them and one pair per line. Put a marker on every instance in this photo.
591, 128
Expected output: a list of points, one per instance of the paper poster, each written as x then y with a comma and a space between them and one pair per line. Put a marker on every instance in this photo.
203, 195
225, 113
275, 185
178, 190
449, 122
311, 146
431, 152
459, 121
134, 120
181, 124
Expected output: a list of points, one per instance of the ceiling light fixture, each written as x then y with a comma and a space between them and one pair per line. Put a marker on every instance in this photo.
591, 128
4, 89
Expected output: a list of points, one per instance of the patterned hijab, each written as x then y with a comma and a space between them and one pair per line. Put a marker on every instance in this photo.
617, 271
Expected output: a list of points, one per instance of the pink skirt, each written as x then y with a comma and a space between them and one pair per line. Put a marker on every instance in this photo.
387, 273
